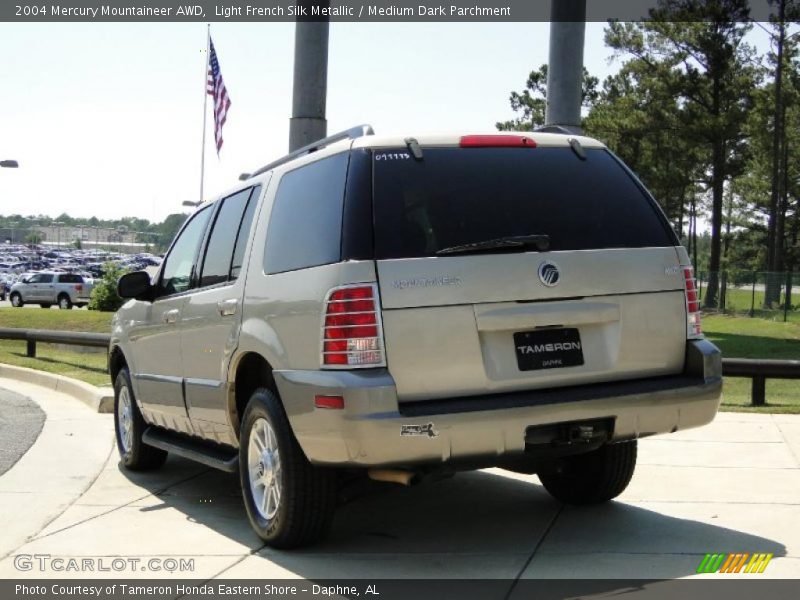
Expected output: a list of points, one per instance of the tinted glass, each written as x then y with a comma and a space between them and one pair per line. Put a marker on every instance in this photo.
177, 272
70, 278
244, 234
357, 235
219, 251
41, 278
306, 221
459, 196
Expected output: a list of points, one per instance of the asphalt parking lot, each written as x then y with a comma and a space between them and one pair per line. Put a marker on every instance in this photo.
21, 420
733, 486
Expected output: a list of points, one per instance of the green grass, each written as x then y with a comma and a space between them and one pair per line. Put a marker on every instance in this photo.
744, 337
85, 366
60, 320
738, 301
89, 367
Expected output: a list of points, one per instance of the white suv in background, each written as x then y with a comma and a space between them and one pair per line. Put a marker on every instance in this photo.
47, 288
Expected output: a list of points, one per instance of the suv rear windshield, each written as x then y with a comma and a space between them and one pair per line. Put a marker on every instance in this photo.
456, 196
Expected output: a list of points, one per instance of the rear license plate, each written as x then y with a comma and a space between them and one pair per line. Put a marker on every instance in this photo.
548, 349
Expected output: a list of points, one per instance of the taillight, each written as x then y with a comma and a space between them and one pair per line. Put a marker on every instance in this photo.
333, 402
693, 330
494, 141
78, 288
351, 334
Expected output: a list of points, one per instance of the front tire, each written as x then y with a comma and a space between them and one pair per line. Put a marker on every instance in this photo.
290, 502
591, 478
129, 427
16, 300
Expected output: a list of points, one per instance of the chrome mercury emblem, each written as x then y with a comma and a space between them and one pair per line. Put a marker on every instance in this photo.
549, 274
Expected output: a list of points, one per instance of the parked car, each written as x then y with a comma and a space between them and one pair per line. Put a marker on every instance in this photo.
3, 290
47, 288
403, 307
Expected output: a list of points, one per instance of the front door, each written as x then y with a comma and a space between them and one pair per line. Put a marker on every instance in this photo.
40, 288
156, 340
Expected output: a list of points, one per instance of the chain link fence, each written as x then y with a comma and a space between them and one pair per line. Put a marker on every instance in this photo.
751, 293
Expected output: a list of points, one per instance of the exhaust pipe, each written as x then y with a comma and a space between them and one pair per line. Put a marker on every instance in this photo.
391, 476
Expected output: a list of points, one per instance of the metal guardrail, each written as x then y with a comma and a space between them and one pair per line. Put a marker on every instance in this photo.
72, 338
757, 369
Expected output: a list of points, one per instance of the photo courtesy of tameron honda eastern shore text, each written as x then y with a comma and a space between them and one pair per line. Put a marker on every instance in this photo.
400, 307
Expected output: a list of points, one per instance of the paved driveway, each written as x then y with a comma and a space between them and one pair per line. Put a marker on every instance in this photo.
733, 486
21, 420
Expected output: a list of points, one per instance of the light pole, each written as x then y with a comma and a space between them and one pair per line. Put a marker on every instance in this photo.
58, 224
310, 85
190, 203
565, 63
13, 225
9, 164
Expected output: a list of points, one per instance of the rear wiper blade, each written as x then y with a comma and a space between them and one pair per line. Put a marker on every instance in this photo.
539, 241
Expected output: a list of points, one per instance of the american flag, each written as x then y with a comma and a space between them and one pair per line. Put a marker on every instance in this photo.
216, 89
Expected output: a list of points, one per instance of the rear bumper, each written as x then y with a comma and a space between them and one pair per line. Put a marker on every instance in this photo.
375, 430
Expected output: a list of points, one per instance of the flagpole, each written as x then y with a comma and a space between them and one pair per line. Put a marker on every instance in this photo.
205, 112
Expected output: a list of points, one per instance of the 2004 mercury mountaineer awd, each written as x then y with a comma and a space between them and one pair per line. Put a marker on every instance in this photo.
401, 307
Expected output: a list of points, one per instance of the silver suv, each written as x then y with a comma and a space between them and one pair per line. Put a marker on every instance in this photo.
47, 288
404, 307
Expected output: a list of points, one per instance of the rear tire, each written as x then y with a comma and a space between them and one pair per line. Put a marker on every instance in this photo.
16, 300
64, 303
591, 478
129, 427
290, 502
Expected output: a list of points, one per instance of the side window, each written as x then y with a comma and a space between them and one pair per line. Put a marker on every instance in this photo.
45, 278
34, 279
244, 233
217, 265
177, 272
306, 223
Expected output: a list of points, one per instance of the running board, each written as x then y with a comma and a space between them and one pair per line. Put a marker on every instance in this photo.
207, 453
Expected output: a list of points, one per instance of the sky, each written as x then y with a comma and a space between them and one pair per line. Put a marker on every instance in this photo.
106, 120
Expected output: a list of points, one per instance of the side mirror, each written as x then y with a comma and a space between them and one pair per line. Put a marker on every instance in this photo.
134, 285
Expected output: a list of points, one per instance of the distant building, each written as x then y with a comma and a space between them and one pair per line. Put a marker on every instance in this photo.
89, 236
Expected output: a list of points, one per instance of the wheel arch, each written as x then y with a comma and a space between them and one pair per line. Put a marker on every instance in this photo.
248, 372
116, 362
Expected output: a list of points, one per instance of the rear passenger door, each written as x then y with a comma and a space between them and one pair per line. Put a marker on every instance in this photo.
212, 314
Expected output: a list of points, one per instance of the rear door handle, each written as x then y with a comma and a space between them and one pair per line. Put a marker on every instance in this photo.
227, 308
170, 316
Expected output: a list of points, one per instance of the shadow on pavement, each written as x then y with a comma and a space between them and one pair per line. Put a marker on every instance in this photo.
483, 525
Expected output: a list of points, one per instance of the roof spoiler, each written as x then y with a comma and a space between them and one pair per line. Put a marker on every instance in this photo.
348, 134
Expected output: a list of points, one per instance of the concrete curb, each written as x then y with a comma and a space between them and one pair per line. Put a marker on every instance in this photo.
99, 399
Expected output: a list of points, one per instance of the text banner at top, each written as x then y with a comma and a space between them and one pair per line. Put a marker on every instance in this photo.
347, 10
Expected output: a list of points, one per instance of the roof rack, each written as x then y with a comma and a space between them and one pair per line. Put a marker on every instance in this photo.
554, 129
348, 134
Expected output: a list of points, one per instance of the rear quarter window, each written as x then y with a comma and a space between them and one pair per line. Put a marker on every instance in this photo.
306, 220
457, 196
70, 279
